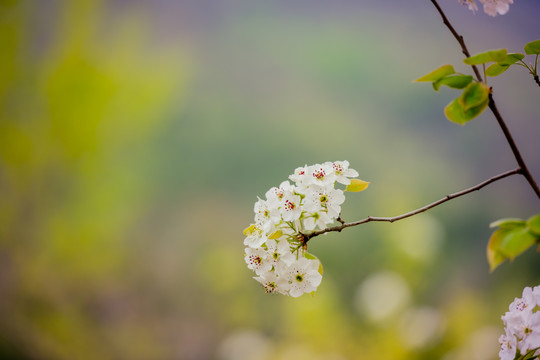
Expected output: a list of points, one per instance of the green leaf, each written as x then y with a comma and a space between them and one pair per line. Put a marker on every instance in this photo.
534, 225
455, 112
487, 56
357, 185
494, 256
437, 74
454, 81
496, 69
516, 241
532, 48
511, 59
474, 95
508, 223
507, 243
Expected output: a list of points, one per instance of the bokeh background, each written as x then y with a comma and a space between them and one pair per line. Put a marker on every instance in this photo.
135, 137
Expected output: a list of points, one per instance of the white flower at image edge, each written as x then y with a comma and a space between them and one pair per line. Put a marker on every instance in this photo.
522, 325
301, 277
494, 7
491, 7
508, 347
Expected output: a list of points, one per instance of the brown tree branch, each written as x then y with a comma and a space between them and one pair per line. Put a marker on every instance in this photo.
458, 37
517, 155
344, 225
525, 171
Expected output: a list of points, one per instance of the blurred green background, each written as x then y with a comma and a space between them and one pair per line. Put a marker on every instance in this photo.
135, 137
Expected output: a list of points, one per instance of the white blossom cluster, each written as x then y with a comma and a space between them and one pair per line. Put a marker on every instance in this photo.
522, 326
276, 246
491, 7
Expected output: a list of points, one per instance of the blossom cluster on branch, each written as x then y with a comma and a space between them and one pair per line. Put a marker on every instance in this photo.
276, 241
491, 7
522, 327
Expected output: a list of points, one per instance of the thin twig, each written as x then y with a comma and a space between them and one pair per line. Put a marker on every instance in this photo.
525, 171
338, 228
458, 37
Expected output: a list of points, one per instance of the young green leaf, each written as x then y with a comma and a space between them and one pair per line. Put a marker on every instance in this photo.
513, 237
275, 235
485, 57
249, 230
533, 223
533, 47
357, 185
474, 95
494, 255
508, 223
511, 59
455, 112
496, 69
437, 74
453, 81
516, 241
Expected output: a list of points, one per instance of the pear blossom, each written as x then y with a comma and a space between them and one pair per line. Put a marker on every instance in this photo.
508, 347
265, 215
325, 199
317, 219
494, 7
300, 177
258, 260
291, 209
276, 249
276, 194
255, 236
321, 175
279, 252
301, 277
522, 325
491, 7
472, 5
342, 172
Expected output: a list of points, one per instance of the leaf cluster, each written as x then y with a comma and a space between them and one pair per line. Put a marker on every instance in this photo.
512, 238
475, 96
472, 101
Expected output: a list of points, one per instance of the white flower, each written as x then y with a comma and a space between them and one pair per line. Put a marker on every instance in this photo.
529, 333
258, 260
300, 177
291, 209
275, 241
472, 5
325, 199
522, 325
494, 7
300, 277
279, 252
526, 303
491, 7
342, 172
508, 347
321, 175
536, 294
255, 236
265, 215
275, 195
269, 280
317, 219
